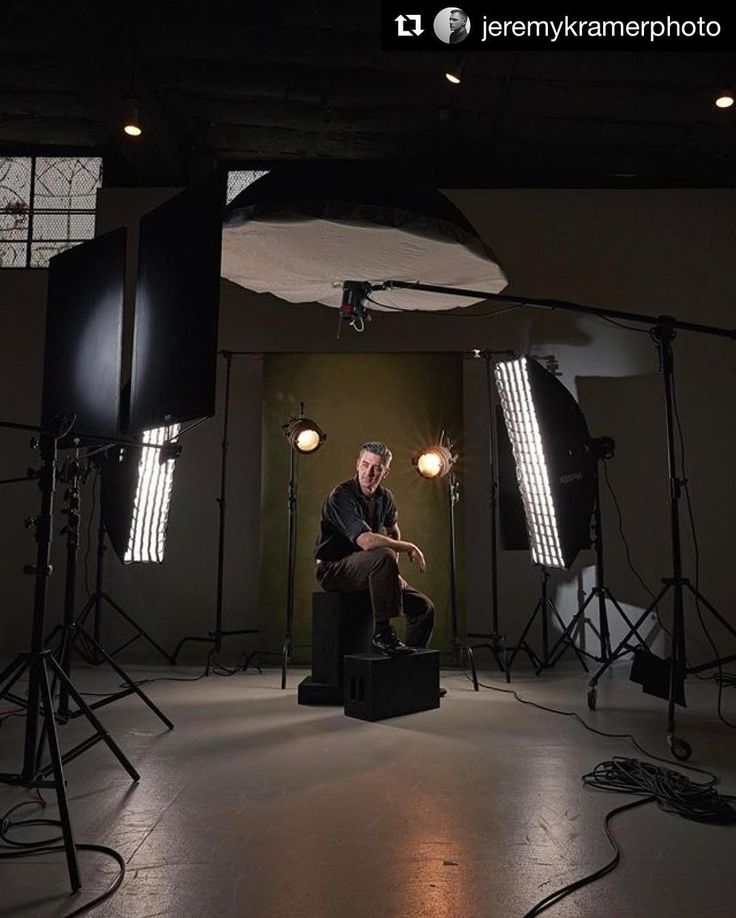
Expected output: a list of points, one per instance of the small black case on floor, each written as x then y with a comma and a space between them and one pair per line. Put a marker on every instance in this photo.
378, 687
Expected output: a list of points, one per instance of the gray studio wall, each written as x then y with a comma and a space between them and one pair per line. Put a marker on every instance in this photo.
649, 252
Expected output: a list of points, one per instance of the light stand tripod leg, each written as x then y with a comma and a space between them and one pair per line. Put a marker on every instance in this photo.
13, 672
522, 644
95, 602
719, 618
633, 628
141, 632
623, 646
473, 670
100, 731
132, 687
285, 660
566, 637
548, 662
57, 769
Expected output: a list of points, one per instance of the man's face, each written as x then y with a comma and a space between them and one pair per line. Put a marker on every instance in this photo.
457, 21
371, 472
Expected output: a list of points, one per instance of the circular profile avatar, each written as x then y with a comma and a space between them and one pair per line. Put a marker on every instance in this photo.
452, 25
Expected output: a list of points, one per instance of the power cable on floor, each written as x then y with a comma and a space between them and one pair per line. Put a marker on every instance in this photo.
535, 704
11, 848
672, 791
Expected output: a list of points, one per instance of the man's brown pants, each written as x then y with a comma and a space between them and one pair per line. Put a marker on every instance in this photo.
377, 571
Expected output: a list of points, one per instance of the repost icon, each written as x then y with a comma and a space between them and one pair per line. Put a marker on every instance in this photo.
409, 26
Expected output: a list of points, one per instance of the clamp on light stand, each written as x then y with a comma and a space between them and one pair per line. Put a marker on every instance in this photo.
169, 450
353, 309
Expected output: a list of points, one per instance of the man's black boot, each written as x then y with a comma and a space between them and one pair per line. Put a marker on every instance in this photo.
385, 640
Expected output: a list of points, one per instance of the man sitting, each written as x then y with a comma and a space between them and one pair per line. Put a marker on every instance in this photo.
353, 554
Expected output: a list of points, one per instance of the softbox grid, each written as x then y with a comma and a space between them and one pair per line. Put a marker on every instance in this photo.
147, 538
512, 380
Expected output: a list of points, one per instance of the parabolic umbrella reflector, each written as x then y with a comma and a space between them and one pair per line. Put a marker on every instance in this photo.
300, 235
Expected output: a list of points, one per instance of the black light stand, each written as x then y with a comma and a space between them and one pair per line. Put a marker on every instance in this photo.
294, 429
491, 640
215, 637
663, 331
71, 630
602, 448
453, 496
448, 458
543, 608
100, 596
37, 663
291, 506
304, 436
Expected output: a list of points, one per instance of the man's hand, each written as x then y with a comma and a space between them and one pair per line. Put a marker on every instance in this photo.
402, 583
416, 557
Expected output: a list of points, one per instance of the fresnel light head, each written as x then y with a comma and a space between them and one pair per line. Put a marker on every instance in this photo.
303, 435
435, 461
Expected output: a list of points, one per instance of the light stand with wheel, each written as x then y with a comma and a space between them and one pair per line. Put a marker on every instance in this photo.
664, 333
663, 330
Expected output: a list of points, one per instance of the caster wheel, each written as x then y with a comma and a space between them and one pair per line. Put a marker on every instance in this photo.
680, 748
592, 698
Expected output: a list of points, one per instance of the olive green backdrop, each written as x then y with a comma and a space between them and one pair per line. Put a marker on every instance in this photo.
404, 400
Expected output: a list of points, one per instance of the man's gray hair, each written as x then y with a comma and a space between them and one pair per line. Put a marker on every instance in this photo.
378, 449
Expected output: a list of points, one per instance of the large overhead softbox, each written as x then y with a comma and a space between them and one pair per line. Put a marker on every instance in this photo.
301, 234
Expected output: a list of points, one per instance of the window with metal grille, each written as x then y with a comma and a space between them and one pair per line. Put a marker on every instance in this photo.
238, 180
47, 205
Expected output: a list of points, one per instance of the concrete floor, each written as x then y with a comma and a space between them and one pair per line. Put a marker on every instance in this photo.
253, 805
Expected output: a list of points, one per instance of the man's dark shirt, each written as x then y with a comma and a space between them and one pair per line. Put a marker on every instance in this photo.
346, 514
460, 35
